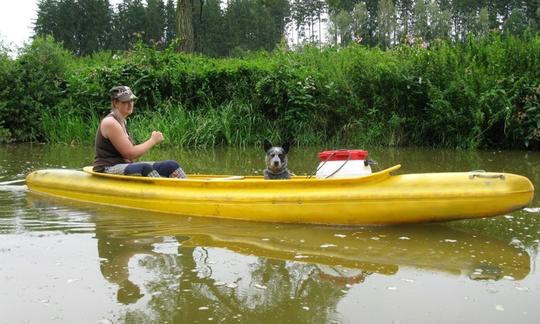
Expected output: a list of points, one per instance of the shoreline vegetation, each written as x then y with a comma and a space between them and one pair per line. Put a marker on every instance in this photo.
480, 93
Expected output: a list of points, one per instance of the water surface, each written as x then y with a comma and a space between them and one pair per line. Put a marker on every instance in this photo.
69, 262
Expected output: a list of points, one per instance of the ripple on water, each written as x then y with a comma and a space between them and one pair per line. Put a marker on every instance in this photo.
18, 217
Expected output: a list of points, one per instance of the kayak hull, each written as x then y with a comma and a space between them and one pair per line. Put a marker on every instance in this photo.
380, 198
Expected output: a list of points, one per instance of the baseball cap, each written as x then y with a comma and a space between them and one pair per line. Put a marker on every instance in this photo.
122, 93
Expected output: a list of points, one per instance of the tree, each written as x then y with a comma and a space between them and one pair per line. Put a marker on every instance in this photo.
155, 20
119, 36
386, 18
82, 26
94, 23
170, 22
337, 5
483, 22
208, 26
305, 14
405, 10
46, 20
441, 24
340, 27
516, 22
421, 22
136, 24
184, 26
129, 24
251, 25
360, 21
279, 11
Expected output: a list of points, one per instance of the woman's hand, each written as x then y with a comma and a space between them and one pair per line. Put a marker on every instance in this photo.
157, 137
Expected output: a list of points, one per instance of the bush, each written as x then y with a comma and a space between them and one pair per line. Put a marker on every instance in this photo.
481, 93
32, 84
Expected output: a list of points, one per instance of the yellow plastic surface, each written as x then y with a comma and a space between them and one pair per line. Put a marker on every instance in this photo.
376, 199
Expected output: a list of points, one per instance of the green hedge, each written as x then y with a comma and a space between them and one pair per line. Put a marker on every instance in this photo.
479, 94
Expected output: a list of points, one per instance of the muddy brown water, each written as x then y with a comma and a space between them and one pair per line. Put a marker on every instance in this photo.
69, 262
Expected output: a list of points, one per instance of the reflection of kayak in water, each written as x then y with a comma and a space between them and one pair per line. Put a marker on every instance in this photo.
380, 250
378, 198
374, 249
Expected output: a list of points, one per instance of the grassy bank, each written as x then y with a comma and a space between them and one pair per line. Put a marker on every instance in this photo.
482, 93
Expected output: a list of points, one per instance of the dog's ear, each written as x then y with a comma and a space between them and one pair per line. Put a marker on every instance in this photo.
286, 147
267, 145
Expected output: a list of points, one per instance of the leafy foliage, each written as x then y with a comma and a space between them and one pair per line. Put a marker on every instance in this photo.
33, 83
482, 93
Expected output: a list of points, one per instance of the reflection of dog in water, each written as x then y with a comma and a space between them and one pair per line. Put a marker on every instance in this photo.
276, 161
128, 292
341, 276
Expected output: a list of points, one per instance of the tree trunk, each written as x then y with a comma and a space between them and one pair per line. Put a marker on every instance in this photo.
320, 40
184, 27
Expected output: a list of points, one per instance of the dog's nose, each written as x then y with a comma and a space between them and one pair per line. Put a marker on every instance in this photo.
276, 163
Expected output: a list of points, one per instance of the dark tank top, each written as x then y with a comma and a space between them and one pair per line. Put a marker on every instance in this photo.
106, 154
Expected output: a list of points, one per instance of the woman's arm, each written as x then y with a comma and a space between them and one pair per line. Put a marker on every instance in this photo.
111, 129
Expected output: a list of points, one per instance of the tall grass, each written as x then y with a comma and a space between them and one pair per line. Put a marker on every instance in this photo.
70, 129
232, 124
228, 124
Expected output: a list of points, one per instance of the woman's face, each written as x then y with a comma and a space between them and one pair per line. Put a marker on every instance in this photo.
125, 108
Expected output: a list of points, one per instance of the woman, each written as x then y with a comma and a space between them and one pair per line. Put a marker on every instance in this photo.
115, 151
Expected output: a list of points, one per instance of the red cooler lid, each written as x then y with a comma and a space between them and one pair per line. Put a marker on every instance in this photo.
341, 155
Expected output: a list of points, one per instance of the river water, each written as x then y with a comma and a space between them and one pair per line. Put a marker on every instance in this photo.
68, 262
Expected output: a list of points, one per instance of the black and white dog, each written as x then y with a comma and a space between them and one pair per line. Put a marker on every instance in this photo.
276, 161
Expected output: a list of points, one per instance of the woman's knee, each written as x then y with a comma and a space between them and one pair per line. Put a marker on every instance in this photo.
143, 169
166, 168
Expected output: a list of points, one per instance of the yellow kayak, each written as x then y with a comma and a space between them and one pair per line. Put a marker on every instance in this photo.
379, 198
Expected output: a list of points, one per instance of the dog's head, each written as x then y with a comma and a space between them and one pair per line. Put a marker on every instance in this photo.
276, 156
